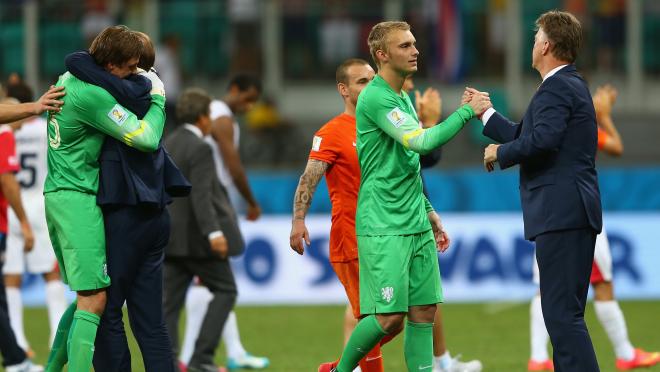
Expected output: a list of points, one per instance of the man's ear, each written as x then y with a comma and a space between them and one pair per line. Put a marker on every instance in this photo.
382, 56
343, 89
546, 47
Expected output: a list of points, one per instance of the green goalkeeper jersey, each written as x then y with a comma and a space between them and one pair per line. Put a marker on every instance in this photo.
389, 140
76, 134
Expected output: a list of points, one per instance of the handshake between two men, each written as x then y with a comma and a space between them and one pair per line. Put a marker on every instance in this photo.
480, 102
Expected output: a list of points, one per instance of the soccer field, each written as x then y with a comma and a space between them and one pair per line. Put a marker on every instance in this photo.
297, 339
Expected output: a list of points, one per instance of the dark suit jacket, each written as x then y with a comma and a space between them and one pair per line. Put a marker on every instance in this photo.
128, 176
555, 145
207, 209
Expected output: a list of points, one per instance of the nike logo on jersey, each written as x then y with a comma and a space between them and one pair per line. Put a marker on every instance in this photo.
354, 144
425, 367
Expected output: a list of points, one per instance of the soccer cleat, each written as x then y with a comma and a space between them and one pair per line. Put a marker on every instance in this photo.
458, 366
182, 367
26, 366
328, 367
642, 359
248, 362
544, 365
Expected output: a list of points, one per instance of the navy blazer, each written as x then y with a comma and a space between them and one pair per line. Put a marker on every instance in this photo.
128, 176
555, 145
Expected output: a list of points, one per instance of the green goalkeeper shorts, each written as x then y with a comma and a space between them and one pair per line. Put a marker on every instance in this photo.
75, 226
398, 271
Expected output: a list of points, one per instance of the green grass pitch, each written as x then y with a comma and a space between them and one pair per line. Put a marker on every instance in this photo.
297, 339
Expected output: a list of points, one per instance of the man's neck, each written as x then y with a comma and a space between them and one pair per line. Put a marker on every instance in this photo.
349, 109
393, 78
549, 66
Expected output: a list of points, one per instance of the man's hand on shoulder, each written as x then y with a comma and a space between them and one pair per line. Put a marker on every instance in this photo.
49, 101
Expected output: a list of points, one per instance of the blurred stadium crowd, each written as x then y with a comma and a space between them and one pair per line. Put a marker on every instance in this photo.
295, 45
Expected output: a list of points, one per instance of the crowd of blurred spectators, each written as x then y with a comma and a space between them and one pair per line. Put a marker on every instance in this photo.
208, 40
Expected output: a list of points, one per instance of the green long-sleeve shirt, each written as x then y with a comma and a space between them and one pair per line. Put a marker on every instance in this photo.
389, 141
76, 134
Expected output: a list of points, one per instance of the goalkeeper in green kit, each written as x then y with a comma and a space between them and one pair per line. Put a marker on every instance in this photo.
398, 233
75, 222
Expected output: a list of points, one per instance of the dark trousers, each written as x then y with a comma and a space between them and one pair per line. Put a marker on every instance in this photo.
565, 258
217, 276
136, 237
11, 352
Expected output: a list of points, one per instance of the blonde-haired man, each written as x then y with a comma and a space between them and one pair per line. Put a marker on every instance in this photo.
397, 230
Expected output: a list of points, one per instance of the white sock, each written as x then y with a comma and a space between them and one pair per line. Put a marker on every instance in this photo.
611, 317
197, 301
537, 332
15, 305
443, 361
232, 338
57, 304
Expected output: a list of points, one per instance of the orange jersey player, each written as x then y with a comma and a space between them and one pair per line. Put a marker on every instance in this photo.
334, 145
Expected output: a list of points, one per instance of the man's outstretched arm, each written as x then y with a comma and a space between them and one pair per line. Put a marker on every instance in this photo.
406, 129
48, 102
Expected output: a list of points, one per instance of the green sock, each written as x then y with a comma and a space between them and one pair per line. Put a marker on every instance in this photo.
80, 345
366, 335
418, 346
58, 356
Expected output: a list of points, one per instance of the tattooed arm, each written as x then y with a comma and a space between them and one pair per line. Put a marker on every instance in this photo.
302, 200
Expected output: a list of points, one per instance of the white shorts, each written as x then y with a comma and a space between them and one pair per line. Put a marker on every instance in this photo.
602, 266
42, 257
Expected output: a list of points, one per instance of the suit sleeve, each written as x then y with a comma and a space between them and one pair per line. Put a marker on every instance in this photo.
201, 176
500, 129
406, 129
131, 92
550, 113
101, 111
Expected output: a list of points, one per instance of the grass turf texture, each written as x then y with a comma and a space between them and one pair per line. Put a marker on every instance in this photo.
297, 339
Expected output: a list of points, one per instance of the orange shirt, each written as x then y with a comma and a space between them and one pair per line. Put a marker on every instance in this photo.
334, 144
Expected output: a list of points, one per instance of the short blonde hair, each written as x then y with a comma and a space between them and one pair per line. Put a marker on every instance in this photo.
378, 36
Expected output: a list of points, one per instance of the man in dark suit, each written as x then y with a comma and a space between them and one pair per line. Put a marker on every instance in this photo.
555, 146
134, 189
204, 231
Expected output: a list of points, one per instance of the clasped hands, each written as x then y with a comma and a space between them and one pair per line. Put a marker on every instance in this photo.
480, 102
